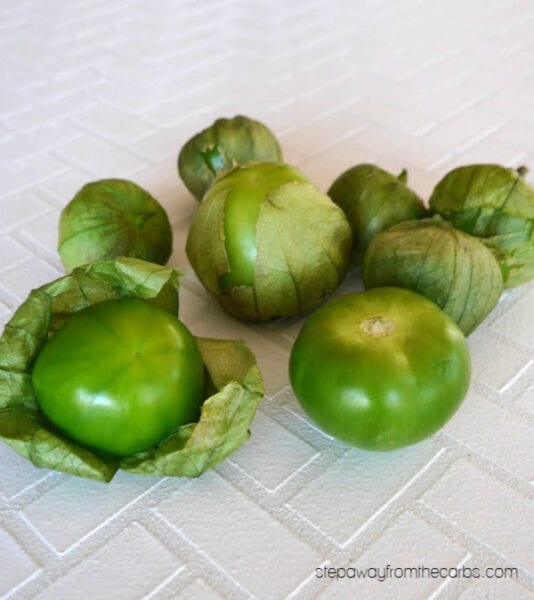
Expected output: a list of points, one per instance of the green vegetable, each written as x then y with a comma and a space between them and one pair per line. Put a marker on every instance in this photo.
110, 218
431, 257
233, 387
380, 369
223, 145
373, 199
267, 243
497, 205
120, 376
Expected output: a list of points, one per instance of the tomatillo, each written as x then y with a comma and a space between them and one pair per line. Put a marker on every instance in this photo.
373, 200
267, 243
110, 218
222, 146
120, 376
380, 369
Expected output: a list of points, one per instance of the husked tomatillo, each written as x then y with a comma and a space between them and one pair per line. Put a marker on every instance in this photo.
120, 376
380, 369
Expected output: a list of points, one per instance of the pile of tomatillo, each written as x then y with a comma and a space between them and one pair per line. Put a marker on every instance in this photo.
383, 368
99, 363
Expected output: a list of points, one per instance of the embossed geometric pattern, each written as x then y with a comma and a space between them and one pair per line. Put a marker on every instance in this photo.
92, 89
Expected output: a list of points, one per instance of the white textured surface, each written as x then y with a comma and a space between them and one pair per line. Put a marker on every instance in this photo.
90, 89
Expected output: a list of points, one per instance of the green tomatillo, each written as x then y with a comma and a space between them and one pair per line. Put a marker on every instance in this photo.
232, 387
223, 145
453, 269
267, 243
111, 218
373, 199
495, 204
120, 376
380, 369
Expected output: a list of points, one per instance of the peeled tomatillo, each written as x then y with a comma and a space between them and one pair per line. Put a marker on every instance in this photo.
380, 369
120, 376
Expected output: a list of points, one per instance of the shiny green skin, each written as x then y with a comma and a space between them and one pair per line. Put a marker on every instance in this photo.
223, 145
373, 200
495, 204
111, 218
244, 192
429, 256
267, 243
120, 376
380, 392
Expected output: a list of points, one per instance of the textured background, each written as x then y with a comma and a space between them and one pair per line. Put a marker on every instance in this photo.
91, 89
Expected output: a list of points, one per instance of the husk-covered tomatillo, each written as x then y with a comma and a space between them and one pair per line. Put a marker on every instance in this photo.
373, 199
497, 205
453, 269
222, 146
267, 243
111, 218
